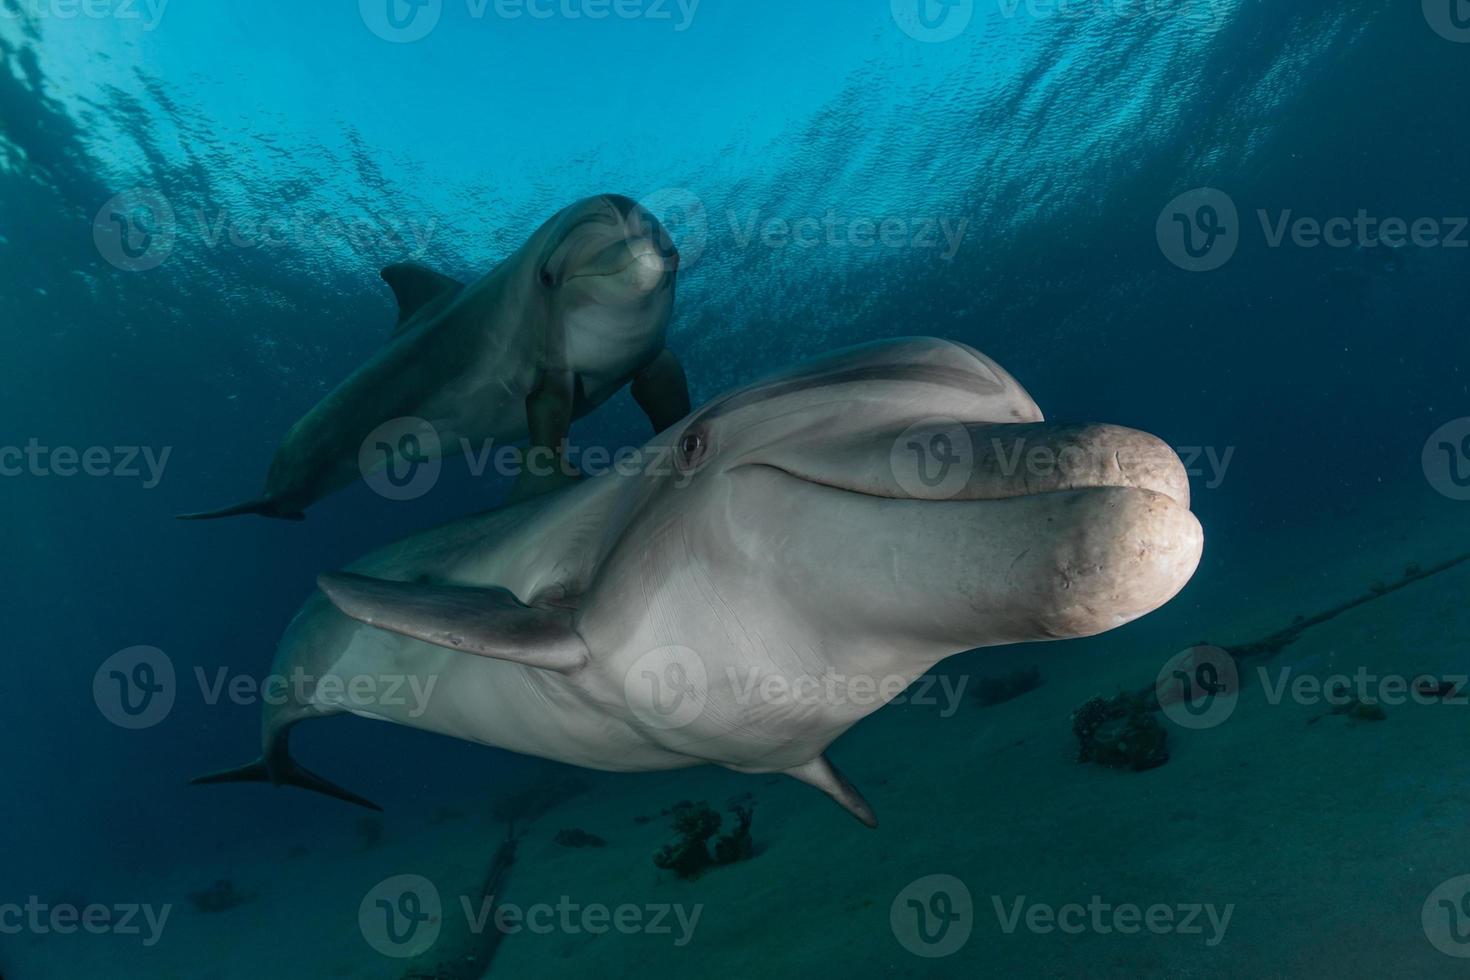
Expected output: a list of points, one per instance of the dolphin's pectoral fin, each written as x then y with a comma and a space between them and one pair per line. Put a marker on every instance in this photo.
825, 777
662, 391
534, 484
487, 622
549, 410
264, 507
415, 287
283, 770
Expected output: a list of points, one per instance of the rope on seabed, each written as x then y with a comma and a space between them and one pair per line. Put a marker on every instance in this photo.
1274, 643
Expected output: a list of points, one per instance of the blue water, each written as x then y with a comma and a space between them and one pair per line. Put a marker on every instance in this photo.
1057, 140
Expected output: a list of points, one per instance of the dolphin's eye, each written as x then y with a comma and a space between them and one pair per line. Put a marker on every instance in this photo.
692, 446
546, 279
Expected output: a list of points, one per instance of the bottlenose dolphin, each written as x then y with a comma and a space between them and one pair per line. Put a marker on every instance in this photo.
786, 560
552, 332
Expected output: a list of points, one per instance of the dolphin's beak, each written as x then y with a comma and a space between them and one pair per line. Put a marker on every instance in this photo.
640, 262
996, 533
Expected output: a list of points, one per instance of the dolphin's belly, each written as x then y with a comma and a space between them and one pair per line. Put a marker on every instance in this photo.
476, 699
481, 406
605, 353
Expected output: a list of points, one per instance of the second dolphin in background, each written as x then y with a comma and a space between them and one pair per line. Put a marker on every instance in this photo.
581, 309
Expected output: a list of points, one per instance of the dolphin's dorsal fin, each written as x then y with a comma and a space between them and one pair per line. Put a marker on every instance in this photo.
824, 776
486, 622
415, 287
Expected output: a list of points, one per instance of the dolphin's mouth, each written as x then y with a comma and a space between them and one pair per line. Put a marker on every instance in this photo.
640, 260
982, 461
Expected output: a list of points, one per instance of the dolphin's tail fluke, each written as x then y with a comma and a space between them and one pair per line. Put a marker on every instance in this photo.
264, 507
286, 772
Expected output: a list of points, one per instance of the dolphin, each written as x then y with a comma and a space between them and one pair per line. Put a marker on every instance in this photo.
772, 570
580, 310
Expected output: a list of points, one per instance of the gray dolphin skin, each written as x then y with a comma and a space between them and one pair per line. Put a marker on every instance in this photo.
783, 562
551, 333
